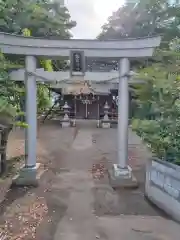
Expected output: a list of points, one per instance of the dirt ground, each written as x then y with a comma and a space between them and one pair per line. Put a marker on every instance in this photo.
74, 200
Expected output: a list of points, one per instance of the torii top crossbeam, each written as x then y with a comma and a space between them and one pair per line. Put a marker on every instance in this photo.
130, 47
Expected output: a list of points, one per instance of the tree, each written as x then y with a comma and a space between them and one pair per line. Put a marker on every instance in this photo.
159, 101
41, 17
10, 93
149, 17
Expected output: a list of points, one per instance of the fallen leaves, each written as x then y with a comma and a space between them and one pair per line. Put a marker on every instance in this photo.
98, 171
132, 157
22, 221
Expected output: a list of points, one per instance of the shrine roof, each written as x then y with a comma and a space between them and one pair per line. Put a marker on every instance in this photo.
83, 88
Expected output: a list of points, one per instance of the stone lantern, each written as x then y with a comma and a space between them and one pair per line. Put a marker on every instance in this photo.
66, 119
106, 121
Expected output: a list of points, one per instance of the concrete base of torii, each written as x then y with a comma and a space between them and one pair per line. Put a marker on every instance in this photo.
122, 177
28, 176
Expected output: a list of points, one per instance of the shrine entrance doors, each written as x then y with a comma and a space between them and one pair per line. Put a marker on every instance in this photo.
92, 107
87, 107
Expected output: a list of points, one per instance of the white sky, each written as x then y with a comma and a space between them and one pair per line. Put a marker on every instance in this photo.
90, 15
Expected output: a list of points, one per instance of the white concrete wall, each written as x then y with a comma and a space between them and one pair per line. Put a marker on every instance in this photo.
163, 186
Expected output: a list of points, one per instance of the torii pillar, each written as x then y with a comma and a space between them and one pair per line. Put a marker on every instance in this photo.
123, 113
121, 174
28, 174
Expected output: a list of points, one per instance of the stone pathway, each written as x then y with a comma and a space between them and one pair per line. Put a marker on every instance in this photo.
94, 209
79, 221
79, 202
83, 140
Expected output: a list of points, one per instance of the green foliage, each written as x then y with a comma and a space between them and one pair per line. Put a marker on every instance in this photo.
9, 93
43, 99
158, 118
149, 17
41, 17
47, 64
21, 124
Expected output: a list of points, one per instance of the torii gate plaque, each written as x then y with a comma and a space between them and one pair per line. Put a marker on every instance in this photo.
123, 50
77, 63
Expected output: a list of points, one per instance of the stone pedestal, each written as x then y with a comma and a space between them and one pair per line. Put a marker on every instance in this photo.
106, 122
106, 125
65, 122
27, 176
122, 177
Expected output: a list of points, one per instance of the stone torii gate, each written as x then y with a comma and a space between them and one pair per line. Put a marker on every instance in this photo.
123, 50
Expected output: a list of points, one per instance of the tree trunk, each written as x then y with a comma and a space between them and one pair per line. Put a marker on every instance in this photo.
4, 133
